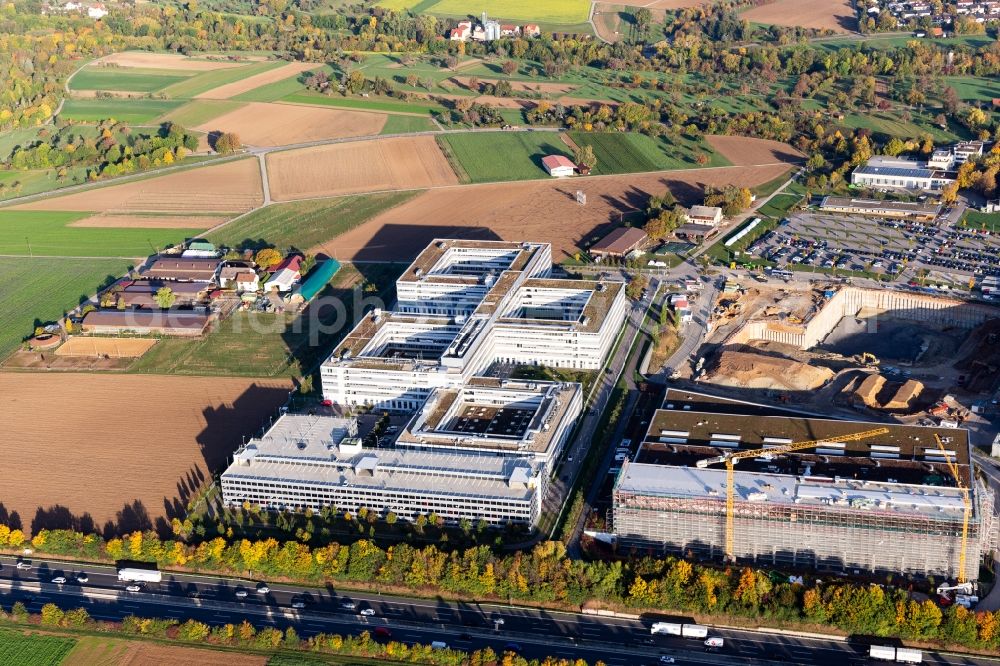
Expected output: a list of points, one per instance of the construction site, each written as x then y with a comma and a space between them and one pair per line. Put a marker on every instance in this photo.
723, 479
867, 350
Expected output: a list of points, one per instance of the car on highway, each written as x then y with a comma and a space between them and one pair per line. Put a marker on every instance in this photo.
23, 565
59, 580
298, 604
262, 588
512, 647
667, 660
347, 604
368, 612
82, 577
241, 594
382, 632
133, 588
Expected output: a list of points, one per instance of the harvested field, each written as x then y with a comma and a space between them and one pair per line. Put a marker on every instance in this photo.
105, 221
121, 451
257, 80
663, 4
361, 166
262, 124
748, 151
165, 61
108, 651
836, 15
232, 187
542, 210
519, 86
746, 369
114, 347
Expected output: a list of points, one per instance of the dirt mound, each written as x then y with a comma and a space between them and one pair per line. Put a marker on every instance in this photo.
757, 371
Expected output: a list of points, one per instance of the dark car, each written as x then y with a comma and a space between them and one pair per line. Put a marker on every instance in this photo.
512, 647
382, 632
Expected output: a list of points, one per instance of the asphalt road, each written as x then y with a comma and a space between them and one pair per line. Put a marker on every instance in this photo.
617, 641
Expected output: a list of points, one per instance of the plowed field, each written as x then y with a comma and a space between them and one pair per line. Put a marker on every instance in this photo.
257, 80
260, 124
837, 15
165, 61
747, 151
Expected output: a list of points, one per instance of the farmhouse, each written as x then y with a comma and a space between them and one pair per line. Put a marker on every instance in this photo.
239, 276
180, 269
285, 275
461, 32
619, 243
558, 166
708, 215
146, 322
902, 209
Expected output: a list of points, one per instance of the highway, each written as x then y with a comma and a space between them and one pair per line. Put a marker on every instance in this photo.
466, 626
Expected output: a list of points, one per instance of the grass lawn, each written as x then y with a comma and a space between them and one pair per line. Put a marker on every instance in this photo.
619, 152
19, 648
135, 111
779, 205
200, 111
722, 254
972, 88
36, 290
561, 12
396, 124
367, 103
886, 123
976, 220
305, 224
268, 345
770, 186
46, 233
206, 81
476, 157
271, 92
130, 80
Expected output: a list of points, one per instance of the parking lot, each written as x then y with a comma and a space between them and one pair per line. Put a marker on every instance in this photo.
949, 254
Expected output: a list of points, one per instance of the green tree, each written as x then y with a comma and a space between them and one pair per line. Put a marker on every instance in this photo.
585, 156
165, 297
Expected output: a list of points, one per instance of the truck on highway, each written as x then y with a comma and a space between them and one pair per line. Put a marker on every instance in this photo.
895, 655
679, 629
137, 575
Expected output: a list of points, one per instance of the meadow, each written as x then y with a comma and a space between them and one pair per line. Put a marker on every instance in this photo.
206, 81
200, 111
560, 12
35, 290
272, 92
779, 205
619, 152
130, 80
398, 124
371, 103
23, 649
474, 156
976, 220
48, 233
134, 111
304, 224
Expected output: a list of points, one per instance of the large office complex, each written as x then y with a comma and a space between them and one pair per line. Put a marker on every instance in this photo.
899, 173
887, 503
463, 306
316, 461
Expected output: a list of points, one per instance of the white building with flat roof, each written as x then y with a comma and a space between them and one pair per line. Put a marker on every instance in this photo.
900, 173
314, 462
392, 361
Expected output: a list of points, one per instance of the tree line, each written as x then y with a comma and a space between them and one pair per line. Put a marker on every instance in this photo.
546, 574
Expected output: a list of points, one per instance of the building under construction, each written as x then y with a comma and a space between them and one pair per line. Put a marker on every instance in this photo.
885, 503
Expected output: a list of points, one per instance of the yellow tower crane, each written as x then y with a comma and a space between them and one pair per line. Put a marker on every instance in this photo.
967, 503
730, 460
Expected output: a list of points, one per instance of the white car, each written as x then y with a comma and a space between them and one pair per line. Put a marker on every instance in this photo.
59, 580
667, 660
298, 603
241, 594
82, 577
133, 588
263, 589
368, 612
24, 565
348, 605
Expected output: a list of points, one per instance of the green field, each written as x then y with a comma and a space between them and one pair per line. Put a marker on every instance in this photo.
619, 152
272, 92
560, 12
39, 290
135, 111
199, 111
305, 224
396, 124
779, 205
974, 89
23, 649
475, 156
976, 220
206, 81
45, 233
131, 80
367, 103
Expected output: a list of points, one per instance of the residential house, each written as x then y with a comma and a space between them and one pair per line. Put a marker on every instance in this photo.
97, 11
508, 30
708, 215
285, 275
558, 166
461, 32
531, 30
239, 276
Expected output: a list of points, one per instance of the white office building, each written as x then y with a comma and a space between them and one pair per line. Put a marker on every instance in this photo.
315, 462
454, 325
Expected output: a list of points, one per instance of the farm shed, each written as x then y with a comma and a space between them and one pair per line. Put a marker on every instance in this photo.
619, 242
558, 166
194, 269
317, 279
200, 249
164, 322
285, 275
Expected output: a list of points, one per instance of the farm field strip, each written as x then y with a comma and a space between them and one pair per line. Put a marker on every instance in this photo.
265, 76
130, 80
168, 61
209, 80
476, 154
200, 111
20, 648
135, 111
836, 15
265, 124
